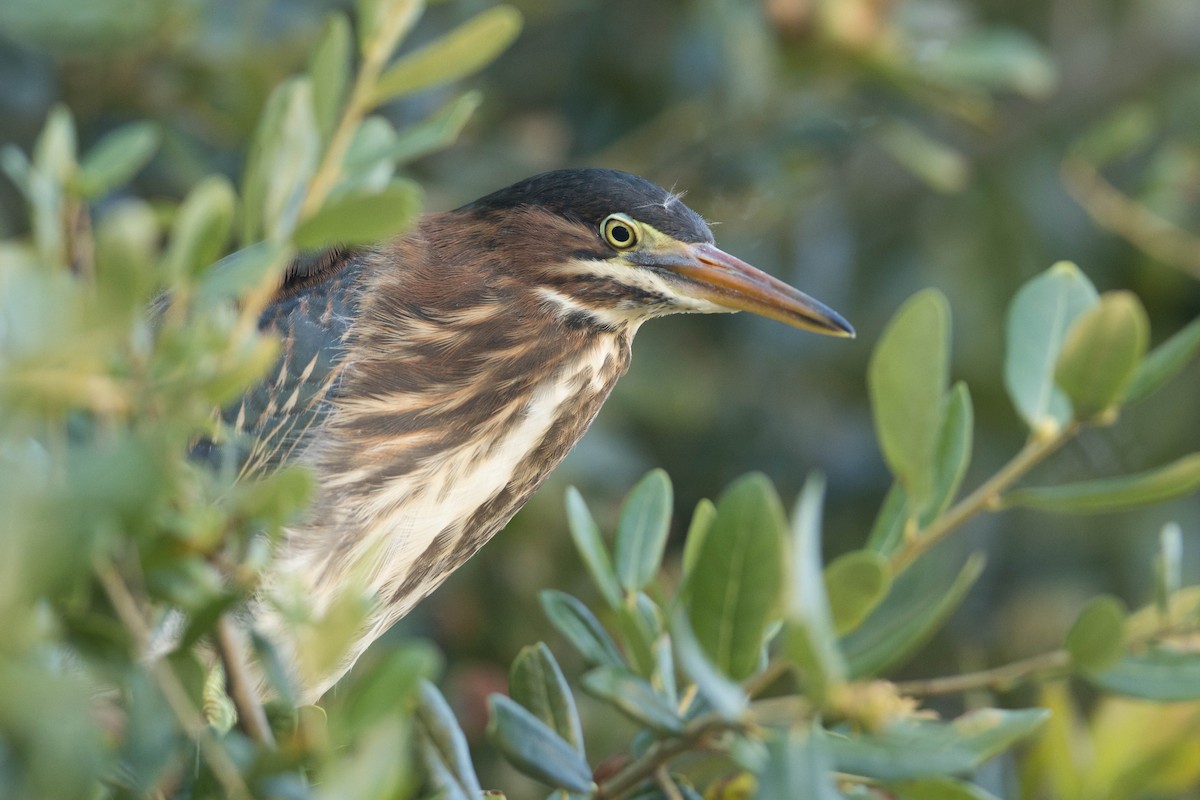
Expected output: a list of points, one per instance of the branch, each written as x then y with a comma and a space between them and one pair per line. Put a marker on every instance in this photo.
1003, 677
240, 684
172, 688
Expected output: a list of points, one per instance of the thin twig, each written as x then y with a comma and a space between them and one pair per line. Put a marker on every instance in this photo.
660, 754
172, 688
240, 684
986, 496
1003, 677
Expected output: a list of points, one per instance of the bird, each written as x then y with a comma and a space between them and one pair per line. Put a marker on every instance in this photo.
432, 382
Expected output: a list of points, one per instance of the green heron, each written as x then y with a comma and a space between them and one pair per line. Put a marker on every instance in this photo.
433, 382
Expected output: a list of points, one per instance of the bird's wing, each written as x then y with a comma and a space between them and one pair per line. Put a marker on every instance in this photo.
311, 313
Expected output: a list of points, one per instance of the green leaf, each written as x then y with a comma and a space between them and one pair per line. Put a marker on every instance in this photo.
735, 585
329, 72
1127, 129
702, 520
937, 788
1103, 349
887, 533
723, 695
899, 627
798, 767
377, 766
1038, 321
383, 23
281, 162
437, 132
202, 227
907, 379
535, 748
1097, 638
588, 541
1164, 363
996, 58
1160, 674
634, 697
367, 167
537, 683
811, 640
918, 748
1103, 495
238, 272
639, 623
386, 687
444, 747
116, 158
361, 218
464, 50
574, 621
642, 531
936, 163
855, 584
953, 454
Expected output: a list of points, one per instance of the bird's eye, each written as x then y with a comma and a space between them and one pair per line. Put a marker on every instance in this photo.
619, 231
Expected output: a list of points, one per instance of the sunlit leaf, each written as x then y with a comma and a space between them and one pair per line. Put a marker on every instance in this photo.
534, 748
537, 683
634, 697
1164, 362
907, 379
1097, 638
574, 621
590, 544
361, 219
855, 583
116, 158
1101, 352
1103, 495
642, 531
464, 50
735, 584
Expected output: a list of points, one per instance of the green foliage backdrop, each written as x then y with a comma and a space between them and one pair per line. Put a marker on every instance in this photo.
1008, 448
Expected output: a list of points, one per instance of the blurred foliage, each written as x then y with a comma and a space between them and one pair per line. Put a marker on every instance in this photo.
862, 149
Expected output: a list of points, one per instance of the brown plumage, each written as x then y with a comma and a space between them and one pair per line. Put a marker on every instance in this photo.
433, 382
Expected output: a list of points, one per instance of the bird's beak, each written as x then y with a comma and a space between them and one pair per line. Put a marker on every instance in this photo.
712, 274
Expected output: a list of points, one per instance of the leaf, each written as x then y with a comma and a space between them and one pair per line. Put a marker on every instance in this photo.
723, 695
116, 158
444, 747
534, 748
377, 766
936, 163
361, 218
996, 58
329, 72
638, 621
1097, 638
1103, 495
574, 621
918, 748
1164, 363
1038, 321
201, 229
887, 533
896, 630
367, 167
240, 271
736, 581
1103, 349
1127, 129
464, 50
702, 520
588, 541
1159, 674
437, 132
383, 23
634, 697
907, 379
953, 454
811, 640
855, 583
537, 683
642, 531
386, 687
798, 767
937, 788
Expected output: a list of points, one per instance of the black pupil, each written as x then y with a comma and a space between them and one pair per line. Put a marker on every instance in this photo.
620, 234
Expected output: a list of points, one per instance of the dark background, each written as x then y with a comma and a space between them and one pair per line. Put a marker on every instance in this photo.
861, 150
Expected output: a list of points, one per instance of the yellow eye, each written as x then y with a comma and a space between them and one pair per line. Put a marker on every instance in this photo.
620, 231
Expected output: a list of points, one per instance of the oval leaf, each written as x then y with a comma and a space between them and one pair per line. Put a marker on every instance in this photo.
642, 531
361, 218
1164, 363
444, 747
201, 228
907, 378
329, 71
582, 629
855, 583
1101, 496
117, 158
536, 682
1097, 638
1102, 351
1162, 675
464, 50
953, 451
588, 541
722, 694
735, 584
634, 697
1038, 321
887, 532
534, 748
